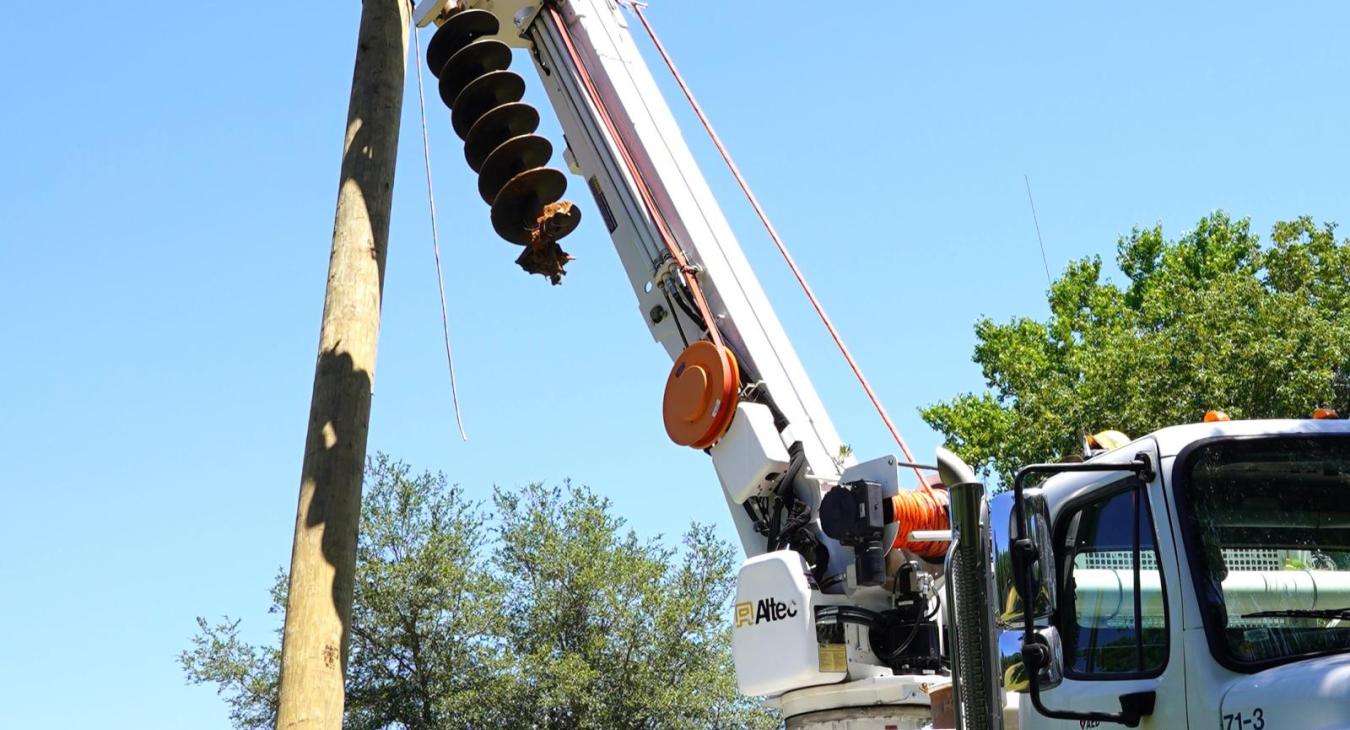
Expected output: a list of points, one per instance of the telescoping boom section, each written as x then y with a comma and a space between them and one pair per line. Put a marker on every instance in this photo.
689, 274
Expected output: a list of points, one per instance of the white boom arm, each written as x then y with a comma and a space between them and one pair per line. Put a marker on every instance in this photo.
652, 197
598, 33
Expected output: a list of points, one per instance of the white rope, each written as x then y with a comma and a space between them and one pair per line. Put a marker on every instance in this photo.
435, 232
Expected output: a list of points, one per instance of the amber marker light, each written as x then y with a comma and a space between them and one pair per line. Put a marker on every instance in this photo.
1212, 416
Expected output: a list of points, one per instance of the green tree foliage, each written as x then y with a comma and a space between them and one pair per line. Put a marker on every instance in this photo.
424, 651
1212, 320
612, 631
550, 615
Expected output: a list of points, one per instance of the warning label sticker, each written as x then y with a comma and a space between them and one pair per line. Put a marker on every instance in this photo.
833, 658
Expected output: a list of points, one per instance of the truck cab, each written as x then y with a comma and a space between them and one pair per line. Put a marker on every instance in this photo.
1205, 582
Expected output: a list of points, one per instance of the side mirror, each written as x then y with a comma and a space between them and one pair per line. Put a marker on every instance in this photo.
1033, 569
1009, 568
1007, 577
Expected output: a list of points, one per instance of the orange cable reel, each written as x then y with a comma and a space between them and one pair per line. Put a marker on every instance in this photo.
701, 395
920, 510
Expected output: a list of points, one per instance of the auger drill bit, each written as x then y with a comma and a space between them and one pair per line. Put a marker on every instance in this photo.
500, 143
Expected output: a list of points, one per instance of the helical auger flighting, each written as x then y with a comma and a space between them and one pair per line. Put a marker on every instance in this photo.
500, 145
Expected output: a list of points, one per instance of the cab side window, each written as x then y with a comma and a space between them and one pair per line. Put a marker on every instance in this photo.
1113, 607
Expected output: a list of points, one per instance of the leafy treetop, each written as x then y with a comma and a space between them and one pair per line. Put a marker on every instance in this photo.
1211, 320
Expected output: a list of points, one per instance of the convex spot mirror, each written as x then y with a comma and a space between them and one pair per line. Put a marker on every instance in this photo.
1013, 669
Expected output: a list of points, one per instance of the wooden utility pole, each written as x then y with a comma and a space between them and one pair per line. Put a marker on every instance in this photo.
323, 557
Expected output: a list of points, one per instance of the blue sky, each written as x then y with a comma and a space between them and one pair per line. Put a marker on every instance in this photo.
166, 205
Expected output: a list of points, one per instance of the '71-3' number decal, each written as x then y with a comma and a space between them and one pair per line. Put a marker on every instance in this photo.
1254, 720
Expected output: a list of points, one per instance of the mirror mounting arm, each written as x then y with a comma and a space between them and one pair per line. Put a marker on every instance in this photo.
1035, 652
1143, 467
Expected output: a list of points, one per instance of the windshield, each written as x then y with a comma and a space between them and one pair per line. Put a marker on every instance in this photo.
1270, 520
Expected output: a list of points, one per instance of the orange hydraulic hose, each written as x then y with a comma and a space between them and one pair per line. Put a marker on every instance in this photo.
782, 249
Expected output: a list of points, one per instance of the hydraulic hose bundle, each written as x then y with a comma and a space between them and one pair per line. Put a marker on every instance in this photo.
500, 143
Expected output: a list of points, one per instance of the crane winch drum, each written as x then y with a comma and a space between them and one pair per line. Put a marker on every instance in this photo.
498, 130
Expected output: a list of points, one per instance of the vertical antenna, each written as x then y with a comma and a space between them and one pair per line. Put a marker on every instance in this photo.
1048, 281
1034, 219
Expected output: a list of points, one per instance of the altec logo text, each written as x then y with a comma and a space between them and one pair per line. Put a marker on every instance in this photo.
765, 609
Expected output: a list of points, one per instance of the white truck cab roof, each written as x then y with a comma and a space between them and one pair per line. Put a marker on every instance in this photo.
1173, 439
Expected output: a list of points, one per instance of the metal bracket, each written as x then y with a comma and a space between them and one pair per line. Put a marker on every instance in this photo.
669, 267
665, 268
427, 12
1144, 467
525, 17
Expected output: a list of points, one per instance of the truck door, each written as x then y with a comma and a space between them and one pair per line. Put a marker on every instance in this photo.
1120, 627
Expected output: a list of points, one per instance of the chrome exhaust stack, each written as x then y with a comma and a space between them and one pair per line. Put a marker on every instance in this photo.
970, 611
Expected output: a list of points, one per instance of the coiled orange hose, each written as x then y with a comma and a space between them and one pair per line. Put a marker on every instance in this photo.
921, 510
